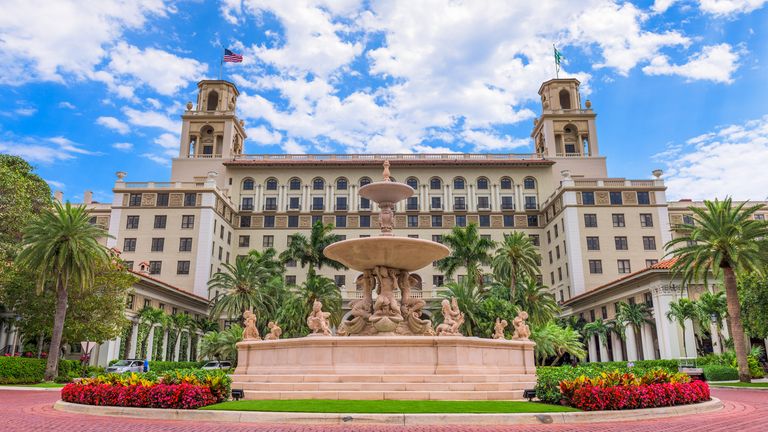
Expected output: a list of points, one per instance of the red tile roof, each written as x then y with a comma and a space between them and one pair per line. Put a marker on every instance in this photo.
166, 284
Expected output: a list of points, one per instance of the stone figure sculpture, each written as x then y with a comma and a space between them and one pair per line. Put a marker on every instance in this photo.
358, 324
411, 309
522, 332
274, 331
250, 332
386, 311
317, 321
498, 328
453, 318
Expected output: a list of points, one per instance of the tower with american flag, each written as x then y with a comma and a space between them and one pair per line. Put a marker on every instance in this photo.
229, 57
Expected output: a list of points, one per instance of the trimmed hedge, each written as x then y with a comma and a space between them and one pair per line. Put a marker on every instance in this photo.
21, 370
163, 366
715, 372
548, 378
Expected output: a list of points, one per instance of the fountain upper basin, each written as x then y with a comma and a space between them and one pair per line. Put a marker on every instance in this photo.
386, 191
402, 253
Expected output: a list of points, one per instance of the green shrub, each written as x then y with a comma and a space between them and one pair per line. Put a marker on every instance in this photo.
163, 366
21, 370
716, 372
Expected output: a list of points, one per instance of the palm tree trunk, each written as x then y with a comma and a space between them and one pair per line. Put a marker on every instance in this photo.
734, 317
127, 341
685, 346
512, 285
40, 341
52, 366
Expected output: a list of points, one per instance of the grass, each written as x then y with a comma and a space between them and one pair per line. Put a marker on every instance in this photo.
38, 385
388, 406
741, 384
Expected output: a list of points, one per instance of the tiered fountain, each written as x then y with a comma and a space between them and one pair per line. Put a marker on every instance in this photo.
386, 349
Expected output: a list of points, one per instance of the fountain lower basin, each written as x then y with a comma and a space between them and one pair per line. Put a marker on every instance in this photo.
402, 253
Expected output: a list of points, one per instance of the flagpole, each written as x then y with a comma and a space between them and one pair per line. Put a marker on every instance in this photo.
221, 65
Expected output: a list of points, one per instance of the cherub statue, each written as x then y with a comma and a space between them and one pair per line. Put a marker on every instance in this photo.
522, 332
318, 320
250, 332
274, 331
453, 318
386, 174
498, 329
411, 308
358, 324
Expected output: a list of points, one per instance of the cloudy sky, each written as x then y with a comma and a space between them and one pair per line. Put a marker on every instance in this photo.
677, 84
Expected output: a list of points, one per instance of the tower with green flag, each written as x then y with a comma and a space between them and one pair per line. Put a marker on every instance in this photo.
558, 57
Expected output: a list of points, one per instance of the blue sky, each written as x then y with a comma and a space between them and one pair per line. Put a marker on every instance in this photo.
678, 85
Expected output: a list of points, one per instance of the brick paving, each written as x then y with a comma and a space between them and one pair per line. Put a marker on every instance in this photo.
745, 410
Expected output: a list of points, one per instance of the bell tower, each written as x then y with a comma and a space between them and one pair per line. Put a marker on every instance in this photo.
210, 129
564, 129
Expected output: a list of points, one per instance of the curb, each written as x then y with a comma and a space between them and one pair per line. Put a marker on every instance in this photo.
718, 386
20, 388
390, 419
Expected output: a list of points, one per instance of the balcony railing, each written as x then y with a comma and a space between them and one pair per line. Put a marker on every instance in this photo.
341, 207
531, 206
507, 206
396, 156
436, 207
270, 207
316, 207
246, 207
460, 206
412, 206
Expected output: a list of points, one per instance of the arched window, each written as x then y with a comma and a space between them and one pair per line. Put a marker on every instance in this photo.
318, 184
458, 183
565, 99
248, 184
482, 183
213, 100
506, 183
415, 281
294, 184
435, 183
529, 183
364, 181
272, 184
412, 182
341, 183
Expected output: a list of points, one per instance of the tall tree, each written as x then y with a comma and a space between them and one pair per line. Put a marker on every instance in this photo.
601, 329
470, 298
713, 307
62, 244
753, 292
178, 324
554, 341
516, 257
536, 300
309, 251
241, 287
723, 239
468, 250
681, 311
635, 315
149, 317
23, 194
294, 310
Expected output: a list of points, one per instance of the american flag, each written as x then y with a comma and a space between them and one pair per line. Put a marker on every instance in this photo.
230, 57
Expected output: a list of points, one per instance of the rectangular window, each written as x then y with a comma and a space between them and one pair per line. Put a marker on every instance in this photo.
132, 222
162, 200
485, 220
413, 236
128, 265
616, 198
459, 203
649, 243
160, 221
134, 200
534, 239
294, 203
185, 244
595, 267
530, 203
759, 216
270, 203
551, 278
157, 244
221, 254
559, 274
293, 221
604, 312
688, 220
190, 199
437, 221
549, 237
365, 221
247, 204
593, 243
483, 203
182, 267
437, 238
188, 221
509, 221
650, 262
413, 221
341, 221
316, 219
588, 198
438, 280
646, 220
550, 257
643, 198
365, 203
621, 243
155, 267
269, 221
437, 203
290, 280
461, 220
129, 245
341, 203
290, 263
592, 315
245, 221
340, 280
618, 220
269, 241
557, 252
229, 237
244, 241
317, 203
130, 301
556, 231
590, 220
221, 232
533, 221
624, 266
507, 203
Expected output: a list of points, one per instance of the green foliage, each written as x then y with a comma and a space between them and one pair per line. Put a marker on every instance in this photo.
492, 307
680, 311
221, 345
753, 296
470, 299
246, 285
555, 341
309, 251
218, 381
469, 250
20, 370
164, 366
714, 372
537, 300
297, 304
516, 257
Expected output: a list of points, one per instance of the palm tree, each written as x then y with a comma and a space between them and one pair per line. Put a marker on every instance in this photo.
179, 323
221, 345
296, 306
309, 251
681, 311
469, 298
149, 316
635, 314
468, 250
536, 299
713, 307
723, 239
240, 287
601, 329
555, 341
61, 244
516, 256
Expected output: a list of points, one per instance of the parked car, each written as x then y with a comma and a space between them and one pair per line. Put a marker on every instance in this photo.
131, 365
223, 365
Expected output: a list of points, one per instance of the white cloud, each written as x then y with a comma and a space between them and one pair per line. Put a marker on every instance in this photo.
123, 146
168, 141
45, 151
727, 162
292, 147
51, 40
151, 119
67, 105
56, 184
714, 63
25, 111
262, 135
730, 7
114, 124
487, 141
164, 161
661, 6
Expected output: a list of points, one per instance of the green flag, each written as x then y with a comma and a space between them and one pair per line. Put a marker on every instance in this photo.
558, 55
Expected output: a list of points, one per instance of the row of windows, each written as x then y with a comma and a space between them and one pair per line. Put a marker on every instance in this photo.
412, 221
590, 220
616, 198
160, 222
647, 299
134, 200
342, 183
156, 267
412, 203
158, 244
623, 265
621, 243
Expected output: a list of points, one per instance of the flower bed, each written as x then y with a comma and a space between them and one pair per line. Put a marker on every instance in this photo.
180, 389
616, 391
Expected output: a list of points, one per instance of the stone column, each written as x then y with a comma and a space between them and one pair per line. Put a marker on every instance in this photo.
424, 198
354, 197
631, 343
690, 340
519, 205
189, 346
649, 353
592, 349
330, 203
616, 343
176, 348
281, 199
305, 198
471, 197
670, 344
3, 335
165, 346
603, 351
150, 342
258, 204
496, 198
134, 341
